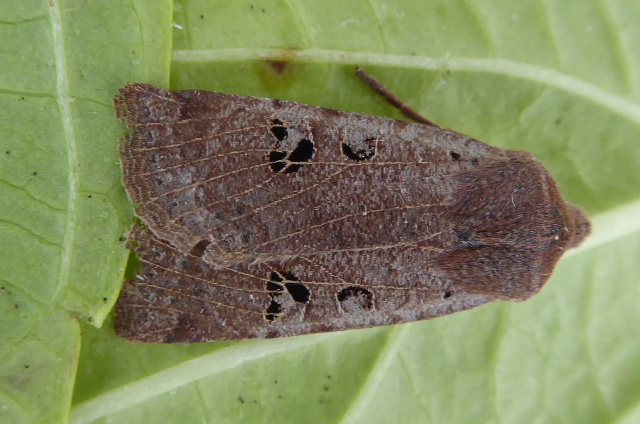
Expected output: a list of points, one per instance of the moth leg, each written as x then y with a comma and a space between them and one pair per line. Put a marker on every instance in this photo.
392, 99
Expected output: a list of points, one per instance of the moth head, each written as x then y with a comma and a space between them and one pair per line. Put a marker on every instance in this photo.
578, 226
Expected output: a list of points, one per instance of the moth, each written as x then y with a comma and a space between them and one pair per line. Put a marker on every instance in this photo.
267, 218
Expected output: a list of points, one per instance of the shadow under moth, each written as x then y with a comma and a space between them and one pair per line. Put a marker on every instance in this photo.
267, 218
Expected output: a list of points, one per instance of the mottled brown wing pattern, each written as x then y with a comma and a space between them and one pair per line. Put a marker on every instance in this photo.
270, 218
262, 179
177, 297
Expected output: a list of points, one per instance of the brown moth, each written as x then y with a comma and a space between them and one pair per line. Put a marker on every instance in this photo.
268, 218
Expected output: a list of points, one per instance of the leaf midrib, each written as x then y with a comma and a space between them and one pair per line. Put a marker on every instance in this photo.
63, 99
498, 66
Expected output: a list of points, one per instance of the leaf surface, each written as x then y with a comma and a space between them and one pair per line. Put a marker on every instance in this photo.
559, 79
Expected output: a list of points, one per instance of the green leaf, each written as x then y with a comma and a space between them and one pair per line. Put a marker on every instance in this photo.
560, 79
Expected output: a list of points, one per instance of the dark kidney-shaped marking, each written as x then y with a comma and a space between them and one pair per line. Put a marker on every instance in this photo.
266, 218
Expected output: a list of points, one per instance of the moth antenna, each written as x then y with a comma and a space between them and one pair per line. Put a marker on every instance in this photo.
391, 98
